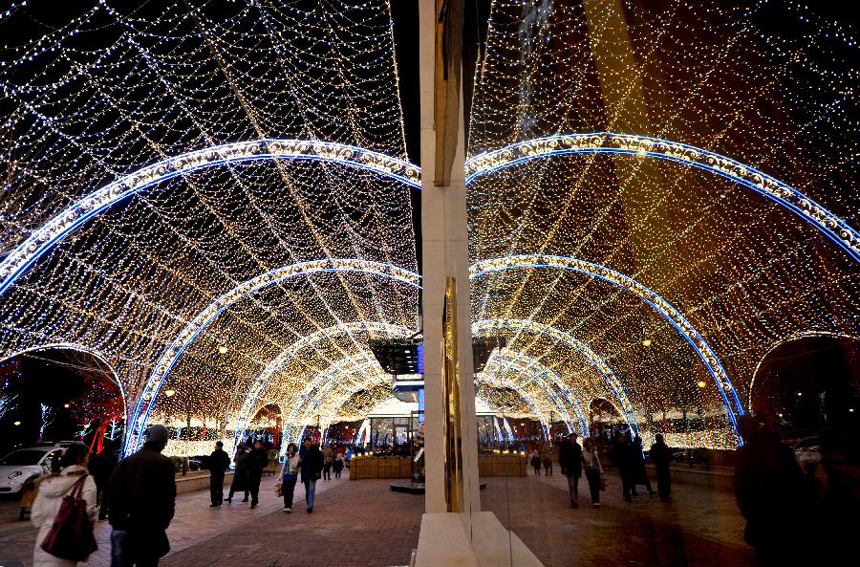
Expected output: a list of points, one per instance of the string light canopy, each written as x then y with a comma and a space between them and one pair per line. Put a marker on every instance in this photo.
694, 167
166, 163
707, 153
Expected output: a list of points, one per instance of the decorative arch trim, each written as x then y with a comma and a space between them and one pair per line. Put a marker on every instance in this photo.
135, 430
672, 315
788, 197
72, 217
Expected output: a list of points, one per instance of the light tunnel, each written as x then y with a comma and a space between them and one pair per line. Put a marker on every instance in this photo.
168, 359
16, 262
676, 318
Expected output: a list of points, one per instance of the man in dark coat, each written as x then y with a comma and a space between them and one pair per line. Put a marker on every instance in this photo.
142, 501
219, 462
310, 464
255, 462
661, 457
570, 461
771, 495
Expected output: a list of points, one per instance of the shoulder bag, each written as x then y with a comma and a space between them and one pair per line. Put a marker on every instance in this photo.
71, 536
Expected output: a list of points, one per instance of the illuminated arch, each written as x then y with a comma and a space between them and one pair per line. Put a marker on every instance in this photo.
135, 429
80, 348
356, 363
532, 367
242, 418
788, 339
628, 414
72, 217
835, 228
700, 346
530, 400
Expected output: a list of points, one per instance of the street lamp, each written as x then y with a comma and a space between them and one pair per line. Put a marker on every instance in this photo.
169, 393
222, 349
646, 342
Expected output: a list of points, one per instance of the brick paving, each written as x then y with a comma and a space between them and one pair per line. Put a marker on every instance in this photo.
357, 524
364, 524
194, 522
697, 528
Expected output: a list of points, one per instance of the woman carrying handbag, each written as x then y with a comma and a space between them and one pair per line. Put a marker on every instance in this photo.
65, 511
289, 475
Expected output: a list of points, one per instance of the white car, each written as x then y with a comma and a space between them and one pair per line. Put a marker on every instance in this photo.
808, 452
24, 464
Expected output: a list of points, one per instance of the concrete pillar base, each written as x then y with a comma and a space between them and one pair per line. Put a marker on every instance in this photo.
445, 541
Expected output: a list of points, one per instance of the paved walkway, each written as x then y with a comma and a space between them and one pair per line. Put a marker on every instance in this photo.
194, 522
363, 524
698, 527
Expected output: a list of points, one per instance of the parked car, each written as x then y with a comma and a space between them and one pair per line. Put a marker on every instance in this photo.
808, 452
26, 463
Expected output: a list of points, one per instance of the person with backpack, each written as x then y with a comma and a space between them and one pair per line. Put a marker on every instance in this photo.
142, 503
72, 481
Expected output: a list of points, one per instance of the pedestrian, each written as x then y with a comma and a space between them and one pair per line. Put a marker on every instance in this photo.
101, 467
338, 464
311, 464
256, 461
638, 474
328, 461
570, 461
769, 489
546, 457
240, 475
661, 457
621, 457
219, 462
534, 459
290, 476
593, 470
52, 490
142, 502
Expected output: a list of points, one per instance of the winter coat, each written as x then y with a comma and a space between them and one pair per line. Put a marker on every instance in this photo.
312, 464
570, 459
219, 462
660, 456
51, 492
240, 475
143, 499
256, 461
591, 461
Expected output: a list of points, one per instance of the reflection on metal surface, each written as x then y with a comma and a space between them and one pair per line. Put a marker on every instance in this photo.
451, 384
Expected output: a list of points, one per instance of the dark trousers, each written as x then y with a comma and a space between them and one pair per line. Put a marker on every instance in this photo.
573, 485
289, 487
626, 483
216, 487
327, 471
664, 482
254, 478
593, 478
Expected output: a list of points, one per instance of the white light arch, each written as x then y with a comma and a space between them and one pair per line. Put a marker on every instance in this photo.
629, 413
835, 228
149, 393
672, 315
72, 217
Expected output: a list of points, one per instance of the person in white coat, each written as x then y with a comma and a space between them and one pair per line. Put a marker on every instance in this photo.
51, 492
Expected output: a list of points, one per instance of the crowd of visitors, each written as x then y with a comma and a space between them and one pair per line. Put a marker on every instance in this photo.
137, 495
